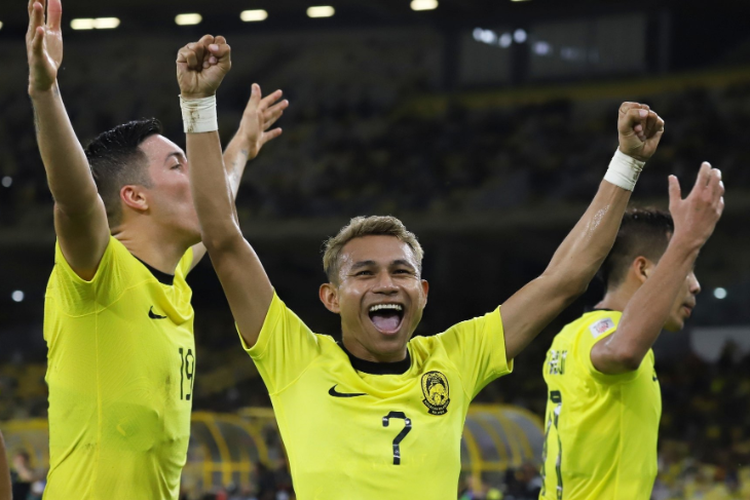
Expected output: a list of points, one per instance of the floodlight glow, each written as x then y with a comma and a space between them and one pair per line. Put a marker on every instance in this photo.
250, 16
519, 0
542, 48
17, 296
424, 4
506, 39
7, 181
1, 25
321, 11
720, 293
520, 36
188, 19
82, 24
100, 23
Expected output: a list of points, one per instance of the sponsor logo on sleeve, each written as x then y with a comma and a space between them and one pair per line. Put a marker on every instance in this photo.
601, 326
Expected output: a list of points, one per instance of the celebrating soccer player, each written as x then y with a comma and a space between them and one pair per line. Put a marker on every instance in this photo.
381, 414
604, 405
118, 320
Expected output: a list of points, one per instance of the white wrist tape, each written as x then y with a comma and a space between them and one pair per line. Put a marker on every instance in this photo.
624, 170
199, 115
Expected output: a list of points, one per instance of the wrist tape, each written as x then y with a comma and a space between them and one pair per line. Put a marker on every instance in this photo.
624, 170
199, 115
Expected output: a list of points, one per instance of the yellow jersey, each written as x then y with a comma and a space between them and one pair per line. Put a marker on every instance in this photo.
600, 430
369, 431
121, 367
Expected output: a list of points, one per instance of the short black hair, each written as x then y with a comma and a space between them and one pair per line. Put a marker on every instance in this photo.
644, 232
116, 161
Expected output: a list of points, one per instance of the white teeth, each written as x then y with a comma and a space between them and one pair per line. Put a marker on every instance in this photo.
394, 307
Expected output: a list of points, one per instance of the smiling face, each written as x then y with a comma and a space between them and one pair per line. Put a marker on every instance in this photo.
168, 196
379, 295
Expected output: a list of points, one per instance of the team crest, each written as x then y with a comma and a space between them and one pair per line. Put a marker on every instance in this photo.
436, 394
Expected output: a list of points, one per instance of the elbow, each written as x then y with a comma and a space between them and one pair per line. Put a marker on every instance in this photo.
219, 239
568, 287
628, 360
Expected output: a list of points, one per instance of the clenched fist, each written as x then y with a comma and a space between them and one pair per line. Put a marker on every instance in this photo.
202, 65
639, 130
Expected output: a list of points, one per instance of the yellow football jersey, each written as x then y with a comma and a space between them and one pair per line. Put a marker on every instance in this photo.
600, 430
357, 429
121, 367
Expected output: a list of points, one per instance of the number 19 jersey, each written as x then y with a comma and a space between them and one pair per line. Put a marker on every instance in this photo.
600, 430
120, 374
351, 433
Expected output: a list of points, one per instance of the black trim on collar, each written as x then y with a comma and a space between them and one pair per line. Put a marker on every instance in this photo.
167, 279
375, 368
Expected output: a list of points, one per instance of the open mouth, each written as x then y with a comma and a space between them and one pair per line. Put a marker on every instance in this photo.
387, 317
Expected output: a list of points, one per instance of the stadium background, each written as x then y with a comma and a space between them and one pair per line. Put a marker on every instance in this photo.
485, 125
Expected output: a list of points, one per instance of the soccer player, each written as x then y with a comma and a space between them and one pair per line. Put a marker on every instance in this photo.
5, 491
602, 416
118, 319
380, 415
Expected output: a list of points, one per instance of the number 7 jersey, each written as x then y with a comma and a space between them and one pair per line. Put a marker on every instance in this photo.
351, 432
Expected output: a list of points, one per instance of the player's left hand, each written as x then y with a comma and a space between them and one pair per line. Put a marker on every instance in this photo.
202, 65
258, 118
639, 130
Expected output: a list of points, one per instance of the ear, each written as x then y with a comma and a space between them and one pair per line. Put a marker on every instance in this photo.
642, 268
425, 292
329, 296
134, 197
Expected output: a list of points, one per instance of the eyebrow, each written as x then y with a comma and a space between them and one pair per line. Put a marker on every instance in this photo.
368, 263
175, 154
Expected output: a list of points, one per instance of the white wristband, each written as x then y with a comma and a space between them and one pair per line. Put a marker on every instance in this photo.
624, 170
199, 115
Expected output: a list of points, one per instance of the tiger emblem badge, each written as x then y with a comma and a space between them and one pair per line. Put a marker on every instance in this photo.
436, 393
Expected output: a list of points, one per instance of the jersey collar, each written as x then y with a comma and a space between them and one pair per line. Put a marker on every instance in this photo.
375, 368
161, 277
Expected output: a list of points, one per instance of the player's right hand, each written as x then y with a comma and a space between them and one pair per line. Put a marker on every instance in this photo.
639, 130
44, 45
696, 216
202, 65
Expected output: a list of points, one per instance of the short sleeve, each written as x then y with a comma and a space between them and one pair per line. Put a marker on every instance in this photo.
477, 349
285, 347
76, 296
598, 329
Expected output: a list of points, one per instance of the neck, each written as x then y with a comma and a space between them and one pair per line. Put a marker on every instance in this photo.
616, 299
358, 350
152, 245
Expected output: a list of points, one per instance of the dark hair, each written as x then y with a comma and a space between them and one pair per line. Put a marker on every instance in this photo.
644, 232
116, 161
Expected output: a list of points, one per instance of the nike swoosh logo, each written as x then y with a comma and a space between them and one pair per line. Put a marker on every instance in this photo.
153, 315
336, 394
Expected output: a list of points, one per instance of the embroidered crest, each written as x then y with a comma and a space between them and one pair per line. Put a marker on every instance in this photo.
436, 392
601, 326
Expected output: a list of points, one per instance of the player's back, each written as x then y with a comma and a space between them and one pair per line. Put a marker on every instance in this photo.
120, 375
600, 430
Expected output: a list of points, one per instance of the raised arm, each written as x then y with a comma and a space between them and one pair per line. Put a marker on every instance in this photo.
254, 132
577, 259
80, 217
201, 67
5, 491
645, 314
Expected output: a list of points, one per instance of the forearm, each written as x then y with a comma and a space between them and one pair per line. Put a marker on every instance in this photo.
5, 488
68, 172
212, 193
236, 156
580, 255
648, 310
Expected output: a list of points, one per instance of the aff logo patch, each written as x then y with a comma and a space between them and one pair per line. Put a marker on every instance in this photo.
436, 392
601, 326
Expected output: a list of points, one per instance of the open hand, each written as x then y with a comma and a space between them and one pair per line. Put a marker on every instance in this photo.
44, 45
202, 65
696, 216
258, 118
639, 130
